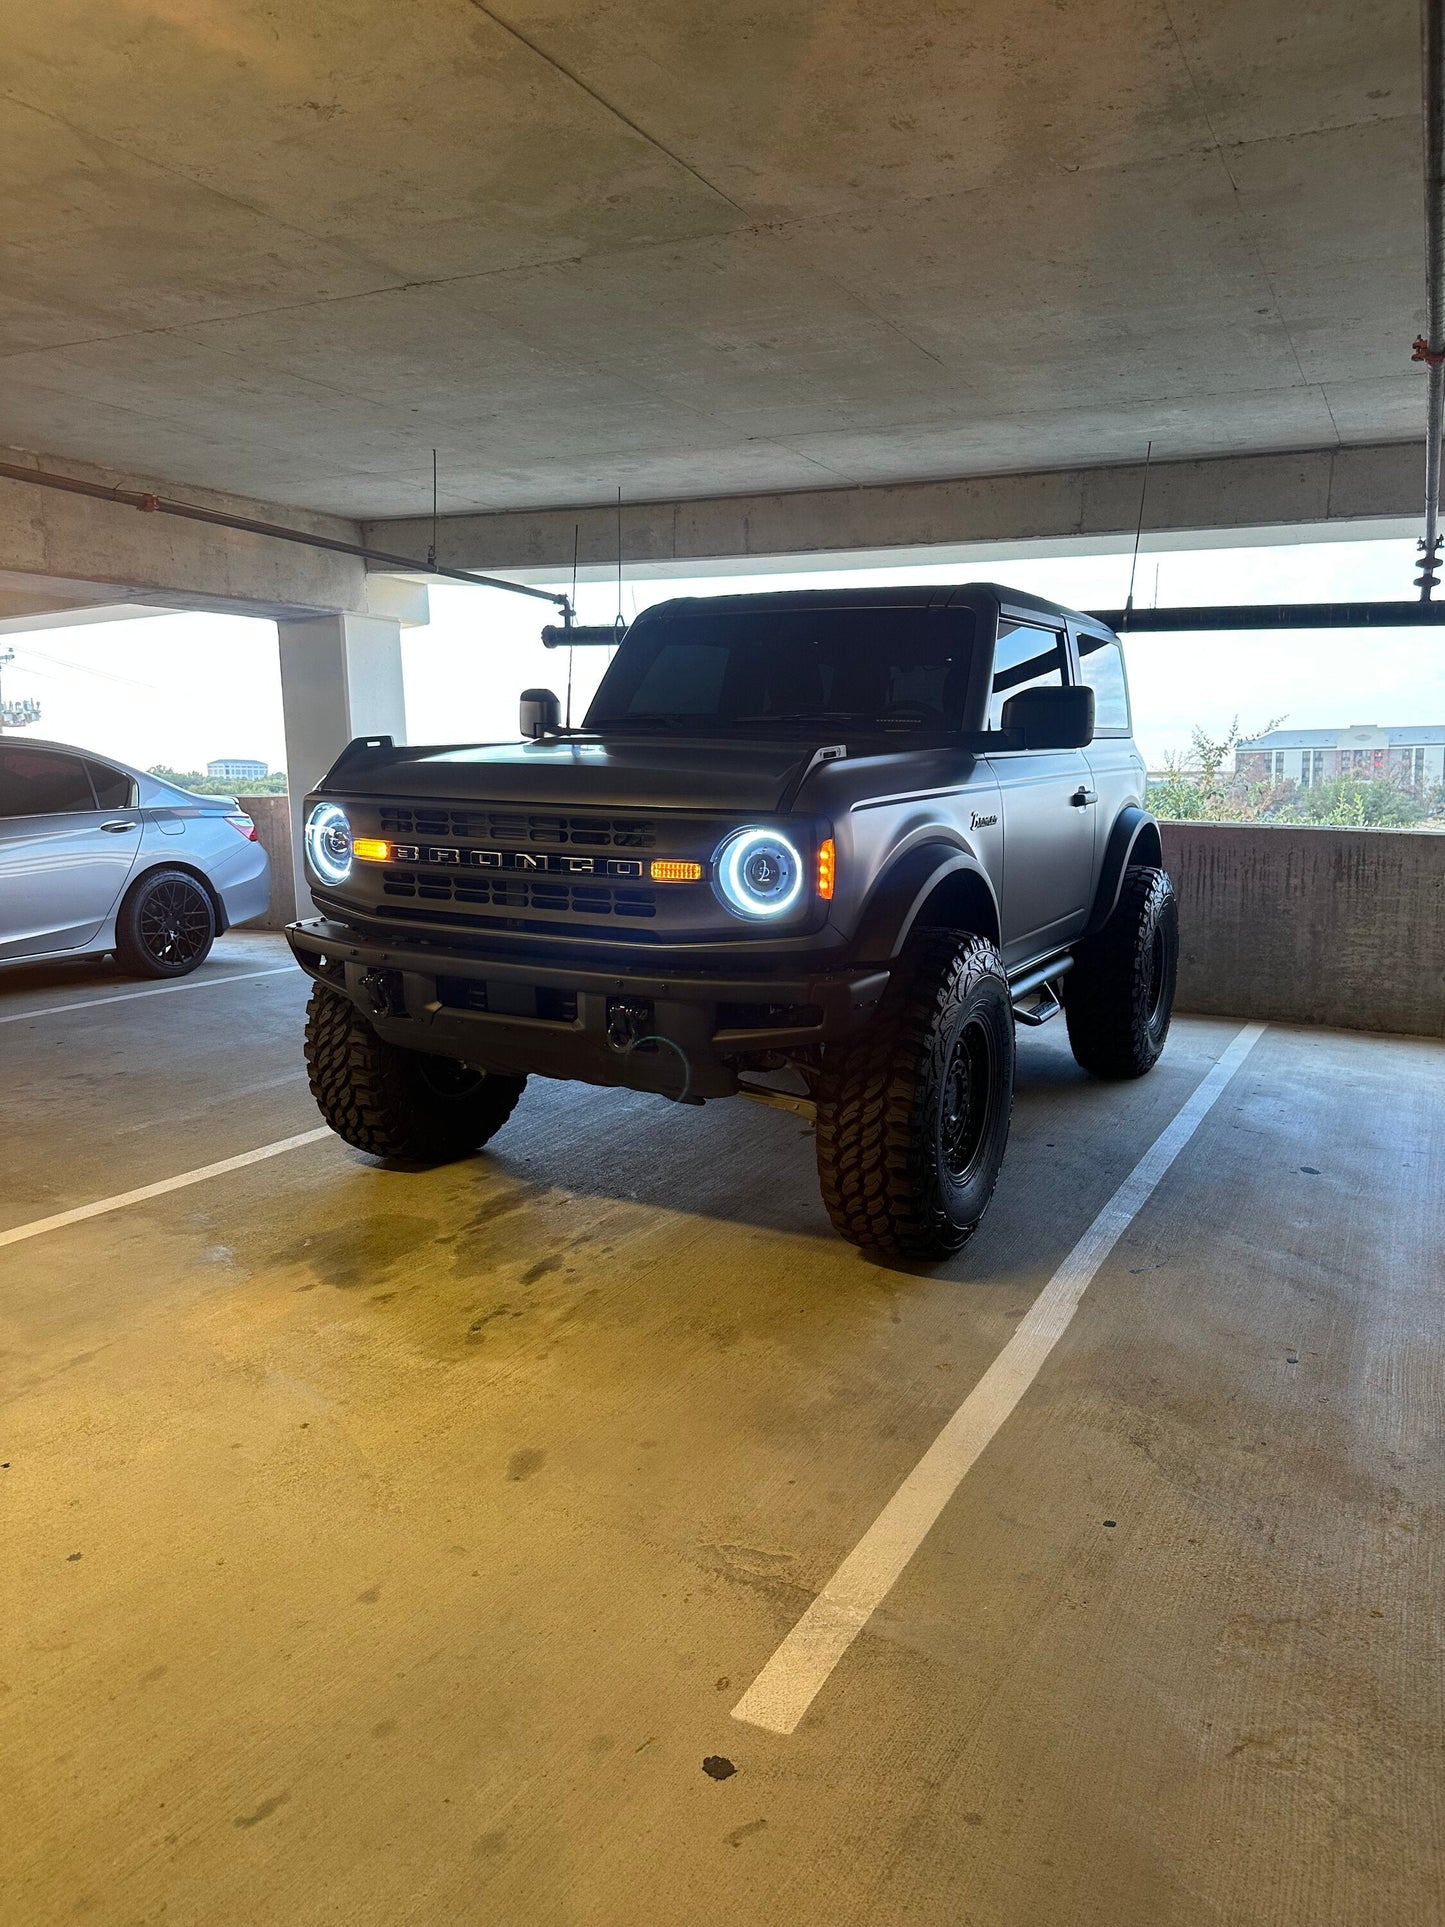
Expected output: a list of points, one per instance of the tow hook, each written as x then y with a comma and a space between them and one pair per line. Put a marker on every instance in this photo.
627, 1024
383, 992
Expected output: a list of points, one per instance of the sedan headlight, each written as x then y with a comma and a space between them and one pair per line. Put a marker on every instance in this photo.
328, 842
759, 873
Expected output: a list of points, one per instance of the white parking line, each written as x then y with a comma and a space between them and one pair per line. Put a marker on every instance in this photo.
122, 1198
787, 1686
155, 990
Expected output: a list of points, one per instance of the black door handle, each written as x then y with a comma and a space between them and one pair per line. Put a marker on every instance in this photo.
1081, 797
117, 827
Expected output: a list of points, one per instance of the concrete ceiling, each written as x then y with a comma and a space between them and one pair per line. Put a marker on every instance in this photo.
693, 249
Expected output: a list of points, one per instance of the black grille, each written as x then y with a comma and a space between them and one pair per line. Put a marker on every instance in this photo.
507, 999
516, 893
511, 828
768, 1016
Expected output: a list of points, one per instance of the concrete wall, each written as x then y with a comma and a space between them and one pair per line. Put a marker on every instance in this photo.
1311, 926
272, 815
1307, 926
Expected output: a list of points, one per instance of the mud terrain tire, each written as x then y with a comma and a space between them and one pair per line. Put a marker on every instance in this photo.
913, 1115
1119, 996
398, 1103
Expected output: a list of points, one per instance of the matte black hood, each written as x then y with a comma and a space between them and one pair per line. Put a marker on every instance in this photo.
627, 772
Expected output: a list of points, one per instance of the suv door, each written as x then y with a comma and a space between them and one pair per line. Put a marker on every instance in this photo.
1114, 760
64, 858
1048, 809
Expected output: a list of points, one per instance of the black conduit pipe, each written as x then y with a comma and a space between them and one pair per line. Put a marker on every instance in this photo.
1213, 618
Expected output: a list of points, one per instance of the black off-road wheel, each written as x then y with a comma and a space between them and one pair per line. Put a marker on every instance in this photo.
398, 1103
913, 1115
1119, 996
166, 926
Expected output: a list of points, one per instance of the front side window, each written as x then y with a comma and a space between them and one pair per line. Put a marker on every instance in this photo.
1101, 665
1024, 658
875, 668
42, 782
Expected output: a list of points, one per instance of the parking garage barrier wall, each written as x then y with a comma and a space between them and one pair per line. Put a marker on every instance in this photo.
272, 817
1311, 926
1299, 925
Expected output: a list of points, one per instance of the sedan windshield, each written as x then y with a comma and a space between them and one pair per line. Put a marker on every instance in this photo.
873, 668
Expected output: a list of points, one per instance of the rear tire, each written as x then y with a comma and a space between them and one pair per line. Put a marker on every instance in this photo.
913, 1117
166, 926
398, 1103
1119, 996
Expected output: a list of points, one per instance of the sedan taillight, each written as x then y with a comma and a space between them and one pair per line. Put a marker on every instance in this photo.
244, 826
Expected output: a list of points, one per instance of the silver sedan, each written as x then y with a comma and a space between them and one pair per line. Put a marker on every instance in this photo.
97, 857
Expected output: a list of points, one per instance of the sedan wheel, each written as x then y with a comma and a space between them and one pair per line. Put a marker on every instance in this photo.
166, 925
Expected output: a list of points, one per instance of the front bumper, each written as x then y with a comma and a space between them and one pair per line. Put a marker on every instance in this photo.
552, 1020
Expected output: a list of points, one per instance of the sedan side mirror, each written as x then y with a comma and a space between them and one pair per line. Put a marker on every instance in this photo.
541, 713
1047, 717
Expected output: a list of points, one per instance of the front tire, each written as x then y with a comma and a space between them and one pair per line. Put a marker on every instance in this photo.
398, 1103
166, 926
913, 1117
1119, 996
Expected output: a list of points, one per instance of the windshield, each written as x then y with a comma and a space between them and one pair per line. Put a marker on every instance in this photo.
875, 668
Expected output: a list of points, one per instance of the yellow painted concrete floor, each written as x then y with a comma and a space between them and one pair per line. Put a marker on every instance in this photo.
390, 1547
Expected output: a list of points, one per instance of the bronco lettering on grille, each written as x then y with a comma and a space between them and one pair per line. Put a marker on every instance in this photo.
549, 862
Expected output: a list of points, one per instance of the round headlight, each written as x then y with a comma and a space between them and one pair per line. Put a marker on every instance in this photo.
759, 873
328, 842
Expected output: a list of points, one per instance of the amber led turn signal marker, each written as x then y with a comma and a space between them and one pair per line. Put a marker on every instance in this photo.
372, 848
668, 869
827, 867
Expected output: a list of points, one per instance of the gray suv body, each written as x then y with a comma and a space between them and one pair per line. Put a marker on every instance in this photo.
810, 837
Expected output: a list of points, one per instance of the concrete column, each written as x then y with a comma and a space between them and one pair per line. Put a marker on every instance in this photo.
340, 678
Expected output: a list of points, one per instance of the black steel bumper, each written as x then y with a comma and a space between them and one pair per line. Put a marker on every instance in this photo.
632, 1029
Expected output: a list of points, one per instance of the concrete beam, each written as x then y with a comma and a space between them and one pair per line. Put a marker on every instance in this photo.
87, 551
1316, 494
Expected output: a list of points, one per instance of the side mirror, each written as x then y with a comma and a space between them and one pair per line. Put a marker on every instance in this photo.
1051, 718
541, 713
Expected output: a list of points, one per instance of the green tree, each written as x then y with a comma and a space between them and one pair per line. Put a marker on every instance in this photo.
273, 784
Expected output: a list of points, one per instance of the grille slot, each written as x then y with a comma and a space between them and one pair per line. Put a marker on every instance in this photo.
510, 828
496, 891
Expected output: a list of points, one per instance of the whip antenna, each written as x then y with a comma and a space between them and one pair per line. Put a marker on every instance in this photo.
1138, 533
576, 538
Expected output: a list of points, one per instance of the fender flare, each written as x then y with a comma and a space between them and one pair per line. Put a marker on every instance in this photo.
893, 904
1130, 826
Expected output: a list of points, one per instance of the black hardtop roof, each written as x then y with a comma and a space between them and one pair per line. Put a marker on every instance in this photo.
917, 595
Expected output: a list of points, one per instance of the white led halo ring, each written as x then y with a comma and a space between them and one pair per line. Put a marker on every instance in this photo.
326, 827
733, 886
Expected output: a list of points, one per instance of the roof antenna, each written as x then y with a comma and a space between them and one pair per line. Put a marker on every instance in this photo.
576, 538
431, 554
619, 624
1138, 532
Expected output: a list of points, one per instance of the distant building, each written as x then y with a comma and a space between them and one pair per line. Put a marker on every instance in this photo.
236, 769
1413, 754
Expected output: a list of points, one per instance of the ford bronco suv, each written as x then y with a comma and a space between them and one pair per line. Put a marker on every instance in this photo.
820, 849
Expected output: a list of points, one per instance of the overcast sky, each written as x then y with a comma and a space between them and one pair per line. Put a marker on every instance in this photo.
182, 689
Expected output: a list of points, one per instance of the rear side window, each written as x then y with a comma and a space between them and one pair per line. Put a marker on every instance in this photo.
113, 788
1023, 658
1101, 666
41, 782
